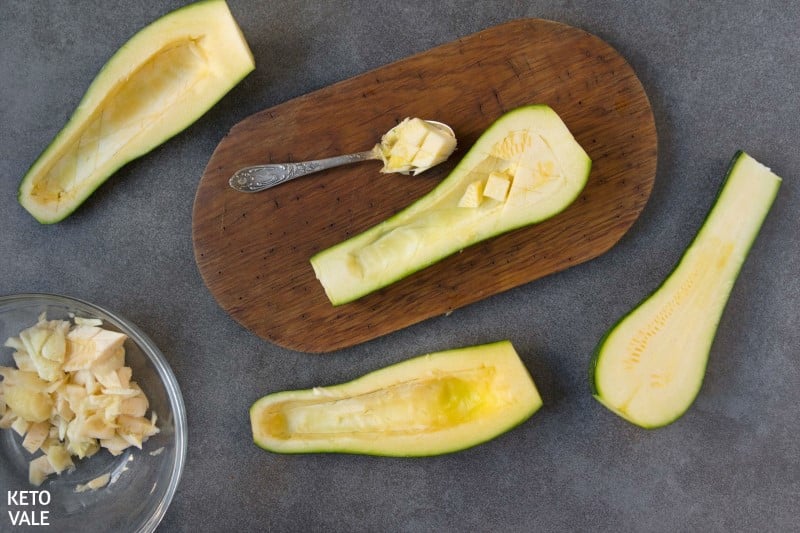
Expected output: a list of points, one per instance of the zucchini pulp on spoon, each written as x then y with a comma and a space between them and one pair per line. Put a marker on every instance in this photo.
429, 405
649, 367
525, 168
161, 81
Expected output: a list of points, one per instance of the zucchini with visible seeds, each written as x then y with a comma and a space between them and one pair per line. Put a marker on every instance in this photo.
649, 367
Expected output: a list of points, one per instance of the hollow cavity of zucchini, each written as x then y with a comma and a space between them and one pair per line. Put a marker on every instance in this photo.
413, 406
129, 111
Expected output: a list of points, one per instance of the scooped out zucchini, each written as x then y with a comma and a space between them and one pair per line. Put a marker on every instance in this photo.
432, 404
525, 168
650, 366
161, 81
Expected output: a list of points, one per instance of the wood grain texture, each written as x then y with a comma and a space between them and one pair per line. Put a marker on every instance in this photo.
253, 250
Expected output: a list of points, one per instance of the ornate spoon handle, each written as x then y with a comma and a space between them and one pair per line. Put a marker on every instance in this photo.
260, 177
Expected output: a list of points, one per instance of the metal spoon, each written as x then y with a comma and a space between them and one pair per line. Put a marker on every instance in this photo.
260, 177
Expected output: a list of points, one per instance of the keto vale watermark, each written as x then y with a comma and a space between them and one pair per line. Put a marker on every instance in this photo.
26, 508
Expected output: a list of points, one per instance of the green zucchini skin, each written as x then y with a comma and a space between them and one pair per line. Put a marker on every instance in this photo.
712, 320
457, 228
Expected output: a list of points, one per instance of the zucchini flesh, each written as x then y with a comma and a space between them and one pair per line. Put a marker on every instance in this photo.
649, 367
428, 405
162, 80
529, 152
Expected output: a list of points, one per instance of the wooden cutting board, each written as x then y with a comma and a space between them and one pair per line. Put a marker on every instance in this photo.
253, 249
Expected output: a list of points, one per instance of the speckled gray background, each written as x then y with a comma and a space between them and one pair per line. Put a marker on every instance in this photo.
720, 76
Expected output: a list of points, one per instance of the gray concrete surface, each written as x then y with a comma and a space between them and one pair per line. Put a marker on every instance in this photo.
720, 75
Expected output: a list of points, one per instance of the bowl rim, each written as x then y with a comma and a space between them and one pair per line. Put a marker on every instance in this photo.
165, 373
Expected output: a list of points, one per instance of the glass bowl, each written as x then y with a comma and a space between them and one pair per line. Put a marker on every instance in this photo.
143, 481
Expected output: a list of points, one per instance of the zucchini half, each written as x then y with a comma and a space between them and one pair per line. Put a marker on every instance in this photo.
525, 168
650, 366
161, 81
429, 405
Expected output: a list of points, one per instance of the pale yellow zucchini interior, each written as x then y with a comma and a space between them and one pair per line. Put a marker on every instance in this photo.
652, 364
